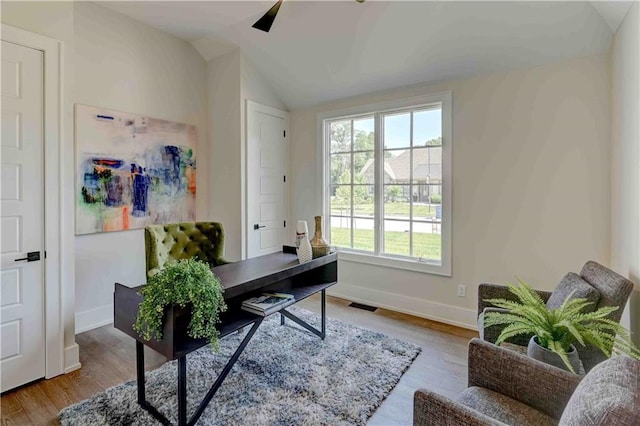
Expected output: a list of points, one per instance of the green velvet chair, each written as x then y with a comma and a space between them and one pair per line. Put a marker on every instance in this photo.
175, 241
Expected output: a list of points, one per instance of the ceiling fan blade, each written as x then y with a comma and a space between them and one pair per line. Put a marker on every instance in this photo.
264, 23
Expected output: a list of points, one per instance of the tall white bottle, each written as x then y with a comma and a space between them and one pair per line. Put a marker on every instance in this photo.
302, 242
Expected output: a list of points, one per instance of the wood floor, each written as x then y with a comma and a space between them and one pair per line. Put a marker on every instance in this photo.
108, 358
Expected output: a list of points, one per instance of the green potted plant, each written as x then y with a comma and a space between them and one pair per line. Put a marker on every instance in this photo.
556, 331
187, 283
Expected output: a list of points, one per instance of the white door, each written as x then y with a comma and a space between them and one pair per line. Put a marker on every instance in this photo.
266, 179
22, 348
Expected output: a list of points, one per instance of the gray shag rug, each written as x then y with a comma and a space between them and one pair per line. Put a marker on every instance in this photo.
285, 376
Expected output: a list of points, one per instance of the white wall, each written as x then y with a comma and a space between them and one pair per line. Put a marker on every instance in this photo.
223, 90
531, 167
124, 65
232, 79
625, 159
255, 87
55, 20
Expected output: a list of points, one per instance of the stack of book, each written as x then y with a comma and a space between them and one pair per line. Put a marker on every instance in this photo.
267, 303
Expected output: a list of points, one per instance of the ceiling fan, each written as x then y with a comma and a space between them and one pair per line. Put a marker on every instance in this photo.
265, 23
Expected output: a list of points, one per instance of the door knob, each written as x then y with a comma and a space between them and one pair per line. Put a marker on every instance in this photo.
32, 256
256, 226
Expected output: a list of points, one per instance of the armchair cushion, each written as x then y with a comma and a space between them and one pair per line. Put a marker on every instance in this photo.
572, 285
503, 408
608, 395
172, 242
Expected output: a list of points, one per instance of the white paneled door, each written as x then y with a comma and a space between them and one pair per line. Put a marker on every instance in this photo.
22, 348
266, 179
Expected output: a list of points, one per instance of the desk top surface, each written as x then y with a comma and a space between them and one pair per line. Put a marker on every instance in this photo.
247, 275
275, 266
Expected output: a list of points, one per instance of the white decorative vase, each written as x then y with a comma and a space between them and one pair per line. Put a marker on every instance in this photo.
303, 246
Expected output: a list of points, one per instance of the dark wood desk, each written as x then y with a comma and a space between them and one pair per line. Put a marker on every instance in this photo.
240, 280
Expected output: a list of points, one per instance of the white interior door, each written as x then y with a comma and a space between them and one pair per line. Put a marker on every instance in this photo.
22, 349
266, 179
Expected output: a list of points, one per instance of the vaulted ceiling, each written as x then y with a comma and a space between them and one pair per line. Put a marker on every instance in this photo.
319, 51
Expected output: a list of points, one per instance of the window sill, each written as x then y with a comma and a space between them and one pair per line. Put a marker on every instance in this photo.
396, 263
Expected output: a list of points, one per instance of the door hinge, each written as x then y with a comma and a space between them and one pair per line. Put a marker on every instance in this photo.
285, 223
284, 179
284, 133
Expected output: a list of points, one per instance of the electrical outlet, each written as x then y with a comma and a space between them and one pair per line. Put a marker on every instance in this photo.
462, 290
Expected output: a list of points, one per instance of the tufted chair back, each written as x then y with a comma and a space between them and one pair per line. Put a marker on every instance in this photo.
175, 241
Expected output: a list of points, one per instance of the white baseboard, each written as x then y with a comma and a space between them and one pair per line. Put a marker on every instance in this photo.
465, 318
71, 358
94, 318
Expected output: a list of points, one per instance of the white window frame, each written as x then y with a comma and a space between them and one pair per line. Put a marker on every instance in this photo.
444, 99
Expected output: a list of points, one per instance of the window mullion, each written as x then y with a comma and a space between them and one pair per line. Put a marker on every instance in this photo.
326, 196
352, 172
411, 184
378, 184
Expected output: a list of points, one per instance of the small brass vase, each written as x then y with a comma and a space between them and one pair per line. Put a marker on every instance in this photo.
319, 246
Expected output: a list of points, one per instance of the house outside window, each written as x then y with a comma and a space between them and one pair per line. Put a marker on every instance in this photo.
386, 182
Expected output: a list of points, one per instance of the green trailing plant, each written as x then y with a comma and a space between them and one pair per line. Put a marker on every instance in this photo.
557, 329
188, 282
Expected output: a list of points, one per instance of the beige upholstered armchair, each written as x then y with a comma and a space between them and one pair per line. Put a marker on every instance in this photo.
175, 241
509, 388
595, 283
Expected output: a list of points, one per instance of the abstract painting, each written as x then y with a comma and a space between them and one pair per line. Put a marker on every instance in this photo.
132, 171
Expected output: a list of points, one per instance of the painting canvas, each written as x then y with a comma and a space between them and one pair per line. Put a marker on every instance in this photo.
132, 171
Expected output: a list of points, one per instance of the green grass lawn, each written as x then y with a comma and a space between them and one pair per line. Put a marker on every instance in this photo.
390, 209
424, 245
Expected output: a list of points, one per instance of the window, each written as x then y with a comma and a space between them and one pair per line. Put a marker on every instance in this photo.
386, 183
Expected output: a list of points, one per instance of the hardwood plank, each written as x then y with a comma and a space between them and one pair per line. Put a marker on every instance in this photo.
37, 405
108, 358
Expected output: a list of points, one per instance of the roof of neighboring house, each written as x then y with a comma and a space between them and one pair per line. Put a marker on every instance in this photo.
427, 161
369, 166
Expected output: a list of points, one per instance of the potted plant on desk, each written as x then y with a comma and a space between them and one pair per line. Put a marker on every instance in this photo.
556, 331
190, 284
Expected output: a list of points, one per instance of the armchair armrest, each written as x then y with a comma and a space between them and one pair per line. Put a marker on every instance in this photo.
494, 291
431, 409
517, 376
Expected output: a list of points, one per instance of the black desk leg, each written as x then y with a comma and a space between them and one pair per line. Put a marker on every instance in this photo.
223, 374
182, 390
140, 372
182, 382
323, 318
